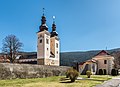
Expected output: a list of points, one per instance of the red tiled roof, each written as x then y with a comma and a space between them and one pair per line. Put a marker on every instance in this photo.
27, 60
2, 59
103, 52
91, 60
81, 63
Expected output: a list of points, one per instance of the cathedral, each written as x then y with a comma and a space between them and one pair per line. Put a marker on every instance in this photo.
47, 44
47, 47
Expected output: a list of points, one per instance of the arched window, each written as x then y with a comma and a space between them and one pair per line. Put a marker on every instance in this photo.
40, 40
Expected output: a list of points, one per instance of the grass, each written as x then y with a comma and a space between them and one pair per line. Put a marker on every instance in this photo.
55, 82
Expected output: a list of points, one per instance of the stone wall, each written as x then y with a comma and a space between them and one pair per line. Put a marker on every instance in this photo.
13, 71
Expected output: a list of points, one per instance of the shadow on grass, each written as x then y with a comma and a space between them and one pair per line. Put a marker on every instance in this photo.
94, 80
64, 79
66, 82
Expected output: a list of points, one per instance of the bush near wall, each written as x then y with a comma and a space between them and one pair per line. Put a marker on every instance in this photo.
12, 71
88, 73
72, 74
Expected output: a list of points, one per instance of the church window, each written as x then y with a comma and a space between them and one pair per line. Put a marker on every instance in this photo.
47, 41
57, 45
57, 52
40, 40
105, 61
47, 48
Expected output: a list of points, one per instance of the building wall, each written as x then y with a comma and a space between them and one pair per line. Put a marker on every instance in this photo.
90, 67
43, 48
40, 61
57, 53
13, 71
100, 63
52, 61
40, 46
55, 50
47, 46
102, 60
52, 45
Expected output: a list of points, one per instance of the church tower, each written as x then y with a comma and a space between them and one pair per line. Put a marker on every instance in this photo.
47, 44
43, 42
54, 46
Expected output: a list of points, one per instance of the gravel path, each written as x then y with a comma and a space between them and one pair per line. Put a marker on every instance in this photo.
115, 82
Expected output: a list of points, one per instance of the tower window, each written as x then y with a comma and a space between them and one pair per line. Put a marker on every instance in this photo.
57, 52
57, 45
40, 35
40, 40
105, 61
47, 41
47, 48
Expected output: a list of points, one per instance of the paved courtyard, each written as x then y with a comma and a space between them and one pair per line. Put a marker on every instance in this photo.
115, 82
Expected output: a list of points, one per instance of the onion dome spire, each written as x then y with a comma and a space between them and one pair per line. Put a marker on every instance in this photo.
53, 25
54, 33
43, 25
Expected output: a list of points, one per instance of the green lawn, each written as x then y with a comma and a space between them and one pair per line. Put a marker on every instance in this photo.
55, 82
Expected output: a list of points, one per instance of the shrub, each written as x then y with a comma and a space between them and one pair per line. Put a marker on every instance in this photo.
88, 73
72, 74
100, 72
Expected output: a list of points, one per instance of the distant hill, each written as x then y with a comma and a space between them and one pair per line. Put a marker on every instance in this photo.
68, 58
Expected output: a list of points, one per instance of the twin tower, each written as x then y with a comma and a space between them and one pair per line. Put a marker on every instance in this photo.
47, 45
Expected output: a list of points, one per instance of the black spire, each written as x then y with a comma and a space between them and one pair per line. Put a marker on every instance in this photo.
43, 11
43, 25
53, 25
54, 33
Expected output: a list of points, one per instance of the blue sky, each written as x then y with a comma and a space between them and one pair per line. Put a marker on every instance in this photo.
82, 24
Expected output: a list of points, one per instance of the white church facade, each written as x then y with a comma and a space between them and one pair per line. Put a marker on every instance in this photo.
47, 45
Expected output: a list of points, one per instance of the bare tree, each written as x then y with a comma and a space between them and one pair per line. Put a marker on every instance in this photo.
11, 47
